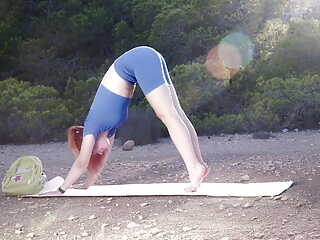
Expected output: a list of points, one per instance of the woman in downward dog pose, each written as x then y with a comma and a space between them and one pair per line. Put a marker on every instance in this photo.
146, 67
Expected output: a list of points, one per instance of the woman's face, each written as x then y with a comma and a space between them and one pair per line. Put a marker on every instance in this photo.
102, 144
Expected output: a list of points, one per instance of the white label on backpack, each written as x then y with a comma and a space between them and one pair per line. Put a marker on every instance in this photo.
23, 169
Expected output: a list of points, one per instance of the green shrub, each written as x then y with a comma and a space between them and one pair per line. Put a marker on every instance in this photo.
262, 118
79, 96
196, 89
297, 53
286, 103
31, 113
212, 124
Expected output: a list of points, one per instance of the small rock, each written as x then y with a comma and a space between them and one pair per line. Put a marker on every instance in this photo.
235, 205
72, 218
284, 198
248, 205
186, 229
84, 234
144, 204
236, 164
18, 231
285, 130
30, 235
92, 217
104, 225
258, 235
244, 178
316, 236
299, 237
179, 210
116, 228
154, 231
128, 145
225, 238
132, 225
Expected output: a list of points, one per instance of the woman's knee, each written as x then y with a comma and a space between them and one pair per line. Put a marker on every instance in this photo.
169, 116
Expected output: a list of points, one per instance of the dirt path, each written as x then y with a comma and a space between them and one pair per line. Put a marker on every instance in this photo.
295, 215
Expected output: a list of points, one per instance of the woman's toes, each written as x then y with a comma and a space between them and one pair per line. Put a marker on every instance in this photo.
190, 189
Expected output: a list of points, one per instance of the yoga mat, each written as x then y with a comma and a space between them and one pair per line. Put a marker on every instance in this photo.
165, 189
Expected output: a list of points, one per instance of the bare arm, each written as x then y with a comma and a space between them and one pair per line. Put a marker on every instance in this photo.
93, 172
81, 163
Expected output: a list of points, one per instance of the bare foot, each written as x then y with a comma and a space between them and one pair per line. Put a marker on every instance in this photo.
196, 177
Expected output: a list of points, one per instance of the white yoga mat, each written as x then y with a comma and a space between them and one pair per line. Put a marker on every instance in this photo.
166, 189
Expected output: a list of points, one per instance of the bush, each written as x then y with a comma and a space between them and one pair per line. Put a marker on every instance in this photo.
196, 88
31, 113
286, 103
79, 96
297, 53
142, 126
212, 124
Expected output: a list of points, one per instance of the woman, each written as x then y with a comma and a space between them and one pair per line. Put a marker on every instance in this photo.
146, 67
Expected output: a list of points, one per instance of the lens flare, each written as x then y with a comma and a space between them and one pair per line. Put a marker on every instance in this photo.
232, 54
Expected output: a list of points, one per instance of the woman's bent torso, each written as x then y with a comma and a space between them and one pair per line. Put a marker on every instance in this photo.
113, 82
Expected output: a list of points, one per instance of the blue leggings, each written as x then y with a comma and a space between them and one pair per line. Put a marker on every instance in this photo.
144, 66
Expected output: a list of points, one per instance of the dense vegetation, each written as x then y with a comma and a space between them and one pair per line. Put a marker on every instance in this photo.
54, 53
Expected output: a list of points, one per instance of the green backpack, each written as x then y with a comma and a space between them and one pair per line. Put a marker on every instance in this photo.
25, 176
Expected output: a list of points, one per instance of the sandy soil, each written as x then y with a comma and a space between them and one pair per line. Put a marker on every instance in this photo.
295, 215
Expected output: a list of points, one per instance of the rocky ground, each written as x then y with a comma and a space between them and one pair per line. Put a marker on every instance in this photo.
295, 215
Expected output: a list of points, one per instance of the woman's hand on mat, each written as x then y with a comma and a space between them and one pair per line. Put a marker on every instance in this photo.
52, 193
80, 186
